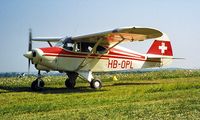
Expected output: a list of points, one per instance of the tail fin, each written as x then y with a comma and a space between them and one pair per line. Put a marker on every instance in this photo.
160, 53
161, 46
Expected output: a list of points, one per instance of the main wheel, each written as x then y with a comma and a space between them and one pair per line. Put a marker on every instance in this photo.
70, 83
96, 84
37, 85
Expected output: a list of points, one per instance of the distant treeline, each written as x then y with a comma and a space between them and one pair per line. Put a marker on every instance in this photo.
10, 74
22, 74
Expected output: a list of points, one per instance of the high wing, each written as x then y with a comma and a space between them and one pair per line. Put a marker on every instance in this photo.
43, 39
47, 39
127, 34
115, 37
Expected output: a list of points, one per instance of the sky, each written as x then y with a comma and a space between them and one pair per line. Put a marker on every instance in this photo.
179, 19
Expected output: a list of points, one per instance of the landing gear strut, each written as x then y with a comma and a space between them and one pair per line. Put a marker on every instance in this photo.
72, 76
87, 75
71, 80
38, 84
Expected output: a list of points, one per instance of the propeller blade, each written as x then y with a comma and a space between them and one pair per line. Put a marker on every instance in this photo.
29, 49
30, 40
29, 62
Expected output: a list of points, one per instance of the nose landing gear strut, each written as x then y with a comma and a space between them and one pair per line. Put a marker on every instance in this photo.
38, 84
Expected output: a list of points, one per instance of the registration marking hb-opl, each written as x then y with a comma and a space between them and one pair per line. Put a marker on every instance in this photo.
123, 64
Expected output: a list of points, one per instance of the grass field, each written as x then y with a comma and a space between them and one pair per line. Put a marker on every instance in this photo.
150, 95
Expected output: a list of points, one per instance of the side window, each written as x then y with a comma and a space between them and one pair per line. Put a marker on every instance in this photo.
101, 50
87, 47
68, 46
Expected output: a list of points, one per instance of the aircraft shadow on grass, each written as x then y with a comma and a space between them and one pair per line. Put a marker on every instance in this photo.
48, 90
51, 90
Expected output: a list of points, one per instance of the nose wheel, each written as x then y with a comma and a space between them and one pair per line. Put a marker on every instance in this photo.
38, 84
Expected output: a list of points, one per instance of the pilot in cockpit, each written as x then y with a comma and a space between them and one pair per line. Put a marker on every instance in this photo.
68, 44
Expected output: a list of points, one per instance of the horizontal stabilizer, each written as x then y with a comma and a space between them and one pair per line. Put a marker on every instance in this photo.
162, 57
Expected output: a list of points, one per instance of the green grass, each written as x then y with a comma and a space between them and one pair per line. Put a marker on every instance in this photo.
151, 95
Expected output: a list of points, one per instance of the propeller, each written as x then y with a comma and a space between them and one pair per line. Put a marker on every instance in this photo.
29, 49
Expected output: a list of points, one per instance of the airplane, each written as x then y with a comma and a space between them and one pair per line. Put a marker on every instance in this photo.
80, 56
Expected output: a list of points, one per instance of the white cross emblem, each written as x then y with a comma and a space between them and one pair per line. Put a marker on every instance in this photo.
162, 48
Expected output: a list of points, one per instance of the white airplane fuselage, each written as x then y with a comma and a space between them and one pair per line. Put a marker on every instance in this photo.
118, 58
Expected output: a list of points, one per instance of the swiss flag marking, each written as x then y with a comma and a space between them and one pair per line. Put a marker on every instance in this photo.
162, 48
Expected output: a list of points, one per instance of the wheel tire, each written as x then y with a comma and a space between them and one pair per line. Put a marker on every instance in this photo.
96, 84
35, 86
42, 83
70, 83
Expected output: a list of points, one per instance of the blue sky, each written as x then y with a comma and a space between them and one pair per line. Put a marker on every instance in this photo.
179, 19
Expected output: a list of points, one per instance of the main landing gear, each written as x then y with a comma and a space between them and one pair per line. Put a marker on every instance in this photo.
38, 84
72, 76
71, 80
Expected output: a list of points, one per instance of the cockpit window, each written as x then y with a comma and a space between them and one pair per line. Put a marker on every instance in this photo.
101, 50
60, 43
87, 47
68, 44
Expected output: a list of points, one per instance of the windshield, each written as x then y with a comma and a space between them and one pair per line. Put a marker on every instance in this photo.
60, 43
64, 41
68, 44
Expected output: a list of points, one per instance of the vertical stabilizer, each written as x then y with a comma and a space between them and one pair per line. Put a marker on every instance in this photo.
160, 53
161, 46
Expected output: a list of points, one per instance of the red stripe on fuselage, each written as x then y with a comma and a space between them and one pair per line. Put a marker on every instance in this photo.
60, 52
102, 57
126, 53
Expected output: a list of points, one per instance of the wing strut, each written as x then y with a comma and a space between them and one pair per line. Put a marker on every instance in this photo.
49, 44
92, 51
114, 45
